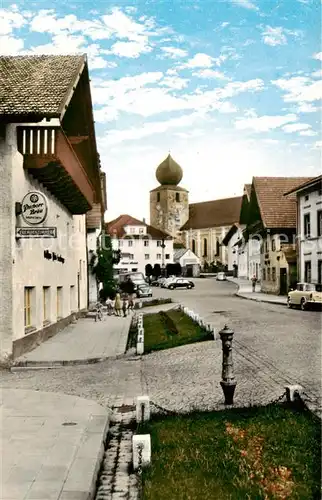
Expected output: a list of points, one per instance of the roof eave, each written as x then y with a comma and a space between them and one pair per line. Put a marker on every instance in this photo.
70, 92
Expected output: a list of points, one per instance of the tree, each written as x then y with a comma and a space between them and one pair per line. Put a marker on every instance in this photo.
102, 266
156, 270
148, 270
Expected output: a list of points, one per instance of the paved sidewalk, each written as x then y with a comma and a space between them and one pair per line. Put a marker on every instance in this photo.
245, 291
86, 342
52, 445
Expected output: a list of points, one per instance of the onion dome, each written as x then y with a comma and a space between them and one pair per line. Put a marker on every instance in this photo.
169, 172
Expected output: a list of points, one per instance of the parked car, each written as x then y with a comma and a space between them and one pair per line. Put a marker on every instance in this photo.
144, 291
306, 295
221, 277
179, 283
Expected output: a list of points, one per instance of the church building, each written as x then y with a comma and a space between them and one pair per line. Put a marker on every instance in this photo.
198, 226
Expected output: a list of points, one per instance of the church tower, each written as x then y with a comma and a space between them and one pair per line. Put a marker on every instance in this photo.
169, 203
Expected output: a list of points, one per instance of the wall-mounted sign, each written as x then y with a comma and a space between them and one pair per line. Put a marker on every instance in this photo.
34, 208
36, 232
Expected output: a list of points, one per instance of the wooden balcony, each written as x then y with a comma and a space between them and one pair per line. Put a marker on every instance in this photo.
51, 159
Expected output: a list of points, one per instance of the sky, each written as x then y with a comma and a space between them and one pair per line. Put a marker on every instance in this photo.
231, 88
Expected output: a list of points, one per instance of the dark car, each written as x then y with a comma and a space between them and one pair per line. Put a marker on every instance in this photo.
179, 283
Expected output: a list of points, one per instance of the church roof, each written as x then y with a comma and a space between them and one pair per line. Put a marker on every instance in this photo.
169, 172
215, 213
116, 228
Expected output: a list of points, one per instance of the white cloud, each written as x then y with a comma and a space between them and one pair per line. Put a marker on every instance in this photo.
10, 20
308, 133
306, 107
224, 24
151, 128
210, 74
317, 74
130, 49
10, 45
296, 127
174, 82
300, 89
274, 36
318, 145
199, 60
247, 4
264, 123
174, 52
317, 56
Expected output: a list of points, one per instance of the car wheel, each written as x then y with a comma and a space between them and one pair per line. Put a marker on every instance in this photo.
171, 287
303, 305
289, 303
189, 287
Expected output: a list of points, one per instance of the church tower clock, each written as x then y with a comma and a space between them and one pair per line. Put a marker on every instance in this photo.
169, 203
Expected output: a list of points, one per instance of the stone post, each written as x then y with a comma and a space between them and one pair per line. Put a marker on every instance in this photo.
228, 382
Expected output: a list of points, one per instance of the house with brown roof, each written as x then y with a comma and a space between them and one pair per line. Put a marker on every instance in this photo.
51, 179
207, 226
309, 229
271, 219
140, 244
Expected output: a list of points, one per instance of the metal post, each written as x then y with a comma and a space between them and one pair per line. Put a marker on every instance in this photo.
228, 382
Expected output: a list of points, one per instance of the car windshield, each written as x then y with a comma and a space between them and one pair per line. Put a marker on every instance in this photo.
310, 287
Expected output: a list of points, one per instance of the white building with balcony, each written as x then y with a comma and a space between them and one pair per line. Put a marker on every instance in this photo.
309, 230
50, 180
140, 244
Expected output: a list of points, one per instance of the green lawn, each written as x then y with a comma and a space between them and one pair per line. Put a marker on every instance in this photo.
171, 329
255, 453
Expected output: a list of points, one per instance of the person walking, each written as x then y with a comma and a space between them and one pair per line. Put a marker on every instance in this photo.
254, 281
124, 305
118, 305
109, 305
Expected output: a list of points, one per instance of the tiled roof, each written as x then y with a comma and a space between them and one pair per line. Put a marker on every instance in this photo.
277, 211
179, 253
37, 85
214, 213
315, 181
116, 227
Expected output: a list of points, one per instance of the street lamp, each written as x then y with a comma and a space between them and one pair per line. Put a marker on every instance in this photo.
162, 251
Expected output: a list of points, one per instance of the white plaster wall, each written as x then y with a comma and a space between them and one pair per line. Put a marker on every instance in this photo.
6, 242
310, 249
139, 250
30, 268
92, 249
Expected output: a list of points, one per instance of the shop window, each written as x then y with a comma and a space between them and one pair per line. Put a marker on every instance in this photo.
59, 302
28, 291
46, 303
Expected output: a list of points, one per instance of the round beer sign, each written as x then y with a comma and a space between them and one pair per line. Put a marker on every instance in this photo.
34, 208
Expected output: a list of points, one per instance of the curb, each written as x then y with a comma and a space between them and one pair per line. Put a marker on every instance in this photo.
237, 294
50, 365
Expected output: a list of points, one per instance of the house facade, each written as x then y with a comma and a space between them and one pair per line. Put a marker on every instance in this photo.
50, 180
189, 262
309, 230
140, 244
272, 222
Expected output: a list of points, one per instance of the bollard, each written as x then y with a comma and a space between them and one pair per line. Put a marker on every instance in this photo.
142, 408
292, 391
141, 449
140, 348
228, 382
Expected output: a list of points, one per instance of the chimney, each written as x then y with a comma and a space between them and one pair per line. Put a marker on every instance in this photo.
144, 220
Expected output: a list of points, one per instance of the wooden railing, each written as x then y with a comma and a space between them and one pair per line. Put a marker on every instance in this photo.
37, 140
